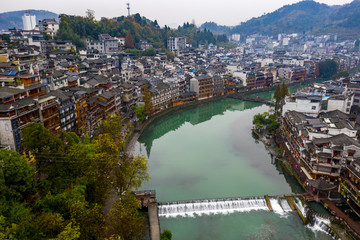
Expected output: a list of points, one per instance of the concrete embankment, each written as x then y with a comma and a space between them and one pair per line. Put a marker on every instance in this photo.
154, 221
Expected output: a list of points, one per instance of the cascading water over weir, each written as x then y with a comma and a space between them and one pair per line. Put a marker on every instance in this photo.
279, 205
221, 206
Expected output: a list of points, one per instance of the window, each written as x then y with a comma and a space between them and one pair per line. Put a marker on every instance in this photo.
313, 108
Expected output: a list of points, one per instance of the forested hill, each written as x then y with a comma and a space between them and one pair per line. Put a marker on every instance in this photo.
302, 17
76, 29
14, 20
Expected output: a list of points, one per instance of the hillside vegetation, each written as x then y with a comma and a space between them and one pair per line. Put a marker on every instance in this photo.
77, 29
303, 17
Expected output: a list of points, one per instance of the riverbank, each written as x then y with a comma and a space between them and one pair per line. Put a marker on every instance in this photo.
141, 126
345, 227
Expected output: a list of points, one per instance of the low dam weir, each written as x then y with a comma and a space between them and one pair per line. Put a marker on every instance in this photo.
222, 206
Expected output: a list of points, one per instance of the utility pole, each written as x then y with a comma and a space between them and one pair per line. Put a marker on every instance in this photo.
128, 8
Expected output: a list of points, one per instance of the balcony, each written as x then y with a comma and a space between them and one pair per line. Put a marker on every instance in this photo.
22, 125
49, 116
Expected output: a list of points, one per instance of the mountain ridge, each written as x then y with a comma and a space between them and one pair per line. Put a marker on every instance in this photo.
302, 17
13, 19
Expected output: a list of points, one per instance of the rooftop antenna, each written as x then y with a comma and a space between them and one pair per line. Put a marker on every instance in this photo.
128, 8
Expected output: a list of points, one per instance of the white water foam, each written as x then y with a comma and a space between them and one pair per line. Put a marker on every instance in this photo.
276, 206
320, 225
300, 206
285, 205
207, 207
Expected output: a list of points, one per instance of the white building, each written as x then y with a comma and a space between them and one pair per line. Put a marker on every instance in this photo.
305, 104
176, 43
50, 26
340, 102
95, 45
235, 37
29, 21
194, 86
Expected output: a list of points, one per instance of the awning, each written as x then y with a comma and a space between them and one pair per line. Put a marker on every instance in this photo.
306, 173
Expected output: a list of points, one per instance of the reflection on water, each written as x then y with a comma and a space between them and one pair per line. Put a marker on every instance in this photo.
194, 115
208, 151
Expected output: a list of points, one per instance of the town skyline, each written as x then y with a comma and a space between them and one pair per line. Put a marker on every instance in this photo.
227, 12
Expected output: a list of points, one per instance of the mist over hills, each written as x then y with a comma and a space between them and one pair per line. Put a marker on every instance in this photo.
302, 17
13, 19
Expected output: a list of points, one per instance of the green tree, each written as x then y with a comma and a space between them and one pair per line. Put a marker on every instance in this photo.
38, 139
140, 112
149, 109
131, 174
133, 51
284, 90
166, 235
126, 211
277, 97
6, 38
327, 68
70, 232
342, 74
46, 36
17, 178
149, 52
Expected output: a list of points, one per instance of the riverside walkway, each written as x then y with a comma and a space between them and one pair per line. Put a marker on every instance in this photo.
354, 226
251, 99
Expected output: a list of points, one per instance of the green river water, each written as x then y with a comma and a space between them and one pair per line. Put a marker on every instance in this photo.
208, 151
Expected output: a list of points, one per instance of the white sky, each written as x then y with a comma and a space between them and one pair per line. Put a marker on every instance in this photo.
169, 12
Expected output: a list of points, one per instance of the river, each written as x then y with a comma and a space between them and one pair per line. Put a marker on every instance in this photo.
208, 151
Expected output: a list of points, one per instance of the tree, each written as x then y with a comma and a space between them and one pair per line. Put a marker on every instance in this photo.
46, 36
129, 41
125, 211
166, 235
140, 112
133, 51
70, 232
149, 52
280, 93
277, 96
38, 139
327, 68
147, 100
342, 74
47, 149
6, 38
17, 178
131, 174
284, 90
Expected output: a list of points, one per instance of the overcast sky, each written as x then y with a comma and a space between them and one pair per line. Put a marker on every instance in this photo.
169, 12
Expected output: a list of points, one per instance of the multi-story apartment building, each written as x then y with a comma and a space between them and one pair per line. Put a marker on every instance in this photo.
203, 86
49, 26
350, 185
255, 80
176, 43
67, 111
13, 118
49, 113
81, 107
32, 84
164, 94
323, 147
219, 86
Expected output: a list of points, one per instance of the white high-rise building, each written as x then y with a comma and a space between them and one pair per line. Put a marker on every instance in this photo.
29, 21
176, 43
235, 37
